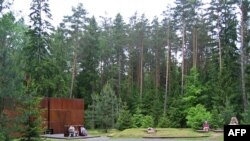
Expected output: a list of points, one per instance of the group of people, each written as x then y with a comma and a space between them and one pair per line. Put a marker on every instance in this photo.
73, 132
233, 121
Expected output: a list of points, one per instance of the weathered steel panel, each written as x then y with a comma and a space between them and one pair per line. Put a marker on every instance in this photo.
63, 112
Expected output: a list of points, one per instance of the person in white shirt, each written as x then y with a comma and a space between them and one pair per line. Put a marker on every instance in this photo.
83, 131
71, 131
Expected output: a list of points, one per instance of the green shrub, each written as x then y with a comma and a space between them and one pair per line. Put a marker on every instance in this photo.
164, 122
177, 118
141, 121
2, 136
246, 117
105, 106
31, 120
124, 119
147, 121
217, 120
4, 130
176, 114
197, 115
5, 136
226, 112
90, 118
137, 120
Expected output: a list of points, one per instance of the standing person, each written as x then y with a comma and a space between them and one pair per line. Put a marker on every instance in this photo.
206, 126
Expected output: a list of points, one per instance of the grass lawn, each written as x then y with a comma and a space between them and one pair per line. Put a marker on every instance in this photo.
102, 133
161, 132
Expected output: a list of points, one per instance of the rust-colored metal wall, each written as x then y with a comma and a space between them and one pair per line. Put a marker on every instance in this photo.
63, 112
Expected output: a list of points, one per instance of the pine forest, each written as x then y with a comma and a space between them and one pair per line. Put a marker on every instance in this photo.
189, 64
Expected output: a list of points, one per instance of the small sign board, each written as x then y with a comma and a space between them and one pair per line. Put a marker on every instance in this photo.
236, 132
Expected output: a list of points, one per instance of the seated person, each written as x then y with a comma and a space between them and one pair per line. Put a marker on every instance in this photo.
71, 131
151, 130
83, 131
205, 126
234, 121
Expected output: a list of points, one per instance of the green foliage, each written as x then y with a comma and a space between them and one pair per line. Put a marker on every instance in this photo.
59, 81
105, 107
73, 27
87, 80
157, 107
124, 119
4, 130
246, 117
31, 121
147, 121
11, 37
89, 119
141, 121
164, 122
226, 112
197, 115
39, 31
193, 89
2, 136
149, 98
152, 103
176, 113
36, 53
217, 120
137, 118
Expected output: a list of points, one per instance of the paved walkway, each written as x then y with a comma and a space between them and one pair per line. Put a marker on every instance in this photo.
98, 138
61, 136
130, 139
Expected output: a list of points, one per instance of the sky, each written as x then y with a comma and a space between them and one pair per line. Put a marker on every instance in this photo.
107, 8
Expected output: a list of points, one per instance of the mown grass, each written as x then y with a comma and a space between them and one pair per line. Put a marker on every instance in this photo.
100, 132
161, 132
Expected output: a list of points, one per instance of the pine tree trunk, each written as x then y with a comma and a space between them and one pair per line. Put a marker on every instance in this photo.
131, 80
141, 69
157, 69
194, 47
183, 58
219, 46
119, 76
101, 71
138, 68
131, 72
242, 59
73, 75
167, 73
